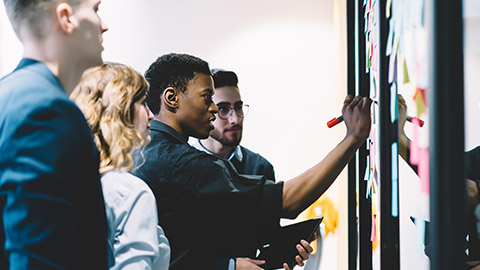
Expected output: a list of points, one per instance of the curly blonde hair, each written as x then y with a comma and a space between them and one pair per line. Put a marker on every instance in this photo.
106, 95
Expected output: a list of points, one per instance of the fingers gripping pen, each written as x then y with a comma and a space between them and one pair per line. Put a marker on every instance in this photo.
410, 119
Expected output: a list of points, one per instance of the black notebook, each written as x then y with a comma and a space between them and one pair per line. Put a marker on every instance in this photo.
282, 246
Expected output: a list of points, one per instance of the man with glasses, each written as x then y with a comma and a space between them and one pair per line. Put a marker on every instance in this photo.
224, 140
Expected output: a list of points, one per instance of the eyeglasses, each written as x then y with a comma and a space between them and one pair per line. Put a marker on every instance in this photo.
225, 110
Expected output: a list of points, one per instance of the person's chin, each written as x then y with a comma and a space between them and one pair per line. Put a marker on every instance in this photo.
147, 140
202, 136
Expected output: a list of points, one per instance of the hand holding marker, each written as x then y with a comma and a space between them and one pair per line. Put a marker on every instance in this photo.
410, 119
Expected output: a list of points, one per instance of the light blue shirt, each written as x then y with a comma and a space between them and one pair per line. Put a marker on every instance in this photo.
135, 240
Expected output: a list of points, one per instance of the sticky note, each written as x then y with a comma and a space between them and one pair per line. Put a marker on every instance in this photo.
420, 233
367, 169
393, 102
395, 179
424, 171
414, 148
389, 6
368, 192
419, 98
392, 68
406, 77
391, 34
373, 233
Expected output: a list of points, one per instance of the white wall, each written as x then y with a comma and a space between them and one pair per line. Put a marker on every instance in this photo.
10, 48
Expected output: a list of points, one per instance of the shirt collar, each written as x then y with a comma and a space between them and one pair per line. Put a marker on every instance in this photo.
41, 68
157, 125
237, 153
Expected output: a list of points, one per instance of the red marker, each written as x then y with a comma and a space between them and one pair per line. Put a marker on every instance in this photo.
334, 121
420, 122
339, 119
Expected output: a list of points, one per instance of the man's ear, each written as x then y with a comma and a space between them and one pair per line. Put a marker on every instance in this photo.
170, 98
65, 19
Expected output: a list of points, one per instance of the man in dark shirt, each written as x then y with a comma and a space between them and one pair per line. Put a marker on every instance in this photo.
210, 213
52, 213
224, 140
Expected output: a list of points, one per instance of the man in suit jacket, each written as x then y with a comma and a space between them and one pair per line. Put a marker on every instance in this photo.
52, 213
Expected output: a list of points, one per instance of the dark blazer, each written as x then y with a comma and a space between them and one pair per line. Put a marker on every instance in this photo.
52, 214
209, 212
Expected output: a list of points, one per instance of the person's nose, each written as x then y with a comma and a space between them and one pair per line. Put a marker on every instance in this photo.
234, 118
213, 109
103, 26
150, 115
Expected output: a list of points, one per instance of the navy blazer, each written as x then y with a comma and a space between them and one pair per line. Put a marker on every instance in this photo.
52, 214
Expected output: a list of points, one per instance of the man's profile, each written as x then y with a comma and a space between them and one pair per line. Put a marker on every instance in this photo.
224, 140
52, 214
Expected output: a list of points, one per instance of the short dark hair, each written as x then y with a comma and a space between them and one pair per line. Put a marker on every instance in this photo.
172, 70
31, 13
223, 78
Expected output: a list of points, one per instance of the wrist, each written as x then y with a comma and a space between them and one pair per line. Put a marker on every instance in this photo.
355, 139
353, 142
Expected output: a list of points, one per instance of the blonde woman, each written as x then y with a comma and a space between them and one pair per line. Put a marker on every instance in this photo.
112, 98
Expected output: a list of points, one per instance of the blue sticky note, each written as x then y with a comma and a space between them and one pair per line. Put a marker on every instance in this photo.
365, 29
374, 117
393, 102
367, 169
420, 233
395, 179
391, 35
392, 68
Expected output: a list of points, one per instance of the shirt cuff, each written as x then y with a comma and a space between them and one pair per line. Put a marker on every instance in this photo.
231, 264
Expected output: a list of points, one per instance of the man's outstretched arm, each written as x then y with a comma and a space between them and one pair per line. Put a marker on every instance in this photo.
303, 190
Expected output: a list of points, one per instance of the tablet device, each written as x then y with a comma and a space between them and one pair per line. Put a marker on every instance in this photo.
282, 246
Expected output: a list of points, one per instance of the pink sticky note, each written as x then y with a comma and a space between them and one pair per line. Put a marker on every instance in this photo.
414, 148
373, 236
415, 158
424, 171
